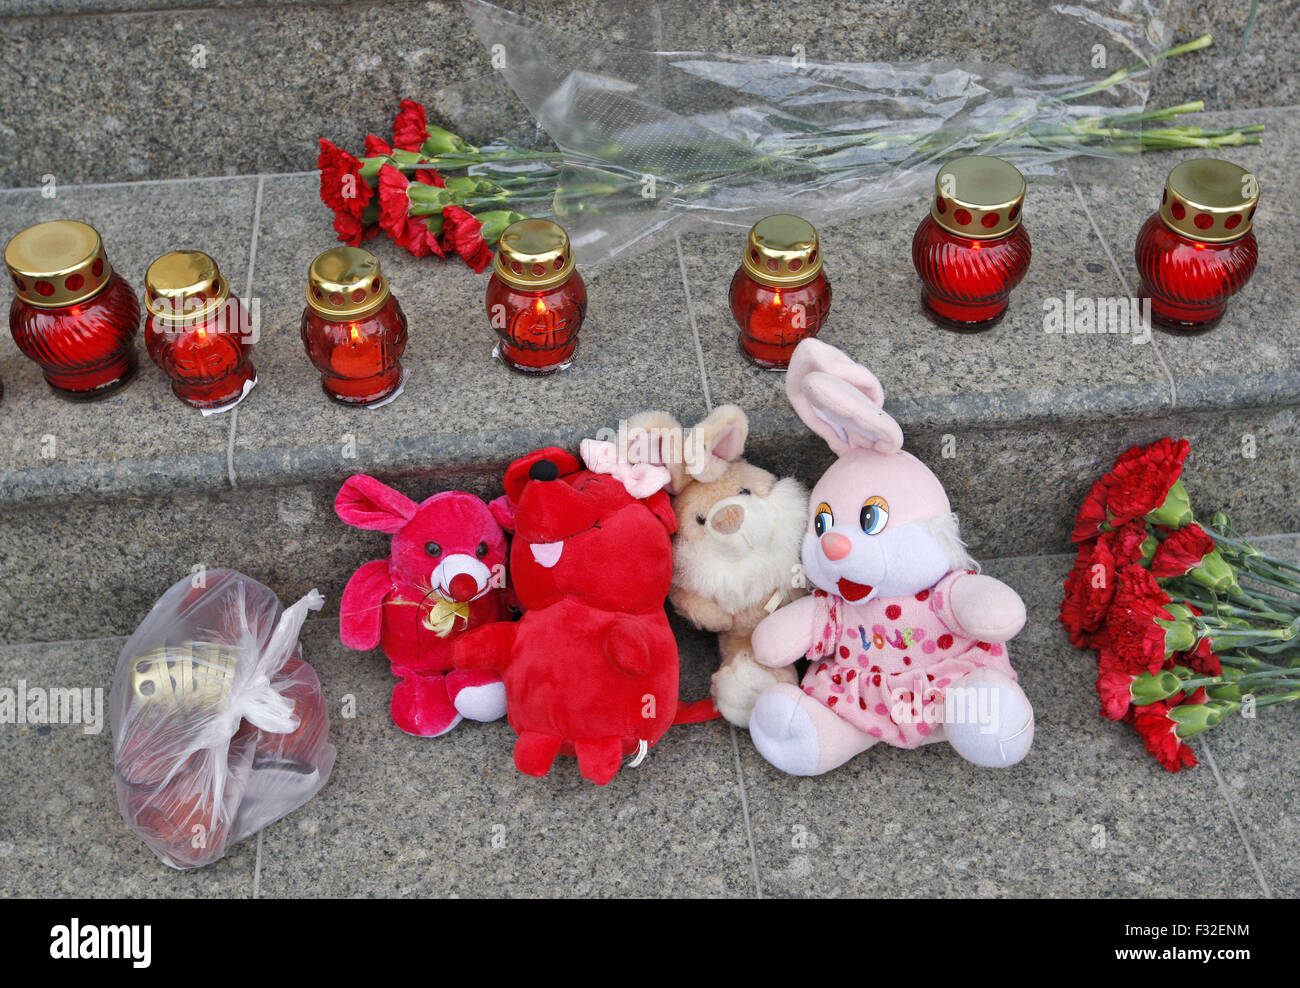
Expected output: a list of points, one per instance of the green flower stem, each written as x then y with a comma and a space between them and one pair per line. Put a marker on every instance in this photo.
1204, 41
1266, 679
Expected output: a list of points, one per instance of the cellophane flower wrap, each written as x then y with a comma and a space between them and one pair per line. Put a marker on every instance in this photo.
219, 726
1191, 623
630, 147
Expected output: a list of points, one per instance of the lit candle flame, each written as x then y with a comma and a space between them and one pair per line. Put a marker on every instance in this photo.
354, 334
540, 306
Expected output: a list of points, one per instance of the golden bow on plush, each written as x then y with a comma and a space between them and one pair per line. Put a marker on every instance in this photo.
441, 617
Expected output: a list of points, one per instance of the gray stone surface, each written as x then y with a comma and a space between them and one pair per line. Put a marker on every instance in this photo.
94, 86
1089, 813
61, 834
1253, 356
142, 440
460, 409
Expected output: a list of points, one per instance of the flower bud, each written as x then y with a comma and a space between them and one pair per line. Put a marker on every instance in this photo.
1193, 718
1216, 573
1148, 688
1229, 690
442, 141
495, 222
1176, 511
1180, 635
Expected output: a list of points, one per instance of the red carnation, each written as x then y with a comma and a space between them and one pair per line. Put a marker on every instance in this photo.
1139, 642
1181, 551
411, 128
394, 204
1157, 731
1142, 479
376, 147
461, 233
421, 236
341, 186
1091, 520
1113, 687
352, 231
1201, 659
1088, 592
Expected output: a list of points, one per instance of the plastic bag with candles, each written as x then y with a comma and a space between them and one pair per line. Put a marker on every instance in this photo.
219, 726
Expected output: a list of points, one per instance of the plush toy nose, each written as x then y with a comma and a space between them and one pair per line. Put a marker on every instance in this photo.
836, 546
463, 587
543, 470
728, 520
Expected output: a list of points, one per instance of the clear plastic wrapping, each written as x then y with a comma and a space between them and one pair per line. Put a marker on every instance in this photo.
219, 726
668, 141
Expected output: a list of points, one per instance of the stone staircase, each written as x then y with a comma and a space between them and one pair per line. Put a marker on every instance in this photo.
106, 505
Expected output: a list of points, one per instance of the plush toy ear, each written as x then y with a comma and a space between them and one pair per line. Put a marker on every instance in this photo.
517, 472
840, 400
364, 502
503, 510
662, 506
715, 442
666, 452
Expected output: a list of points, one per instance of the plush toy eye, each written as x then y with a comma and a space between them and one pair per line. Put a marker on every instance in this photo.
433, 549
875, 515
823, 520
700, 519
482, 550
745, 490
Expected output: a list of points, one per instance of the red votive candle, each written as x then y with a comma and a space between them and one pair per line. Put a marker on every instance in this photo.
195, 331
536, 298
779, 295
972, 249
71, 313
353, 329
1198, 249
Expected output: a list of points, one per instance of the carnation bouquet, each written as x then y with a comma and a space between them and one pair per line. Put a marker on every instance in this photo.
1191, 623
641, 143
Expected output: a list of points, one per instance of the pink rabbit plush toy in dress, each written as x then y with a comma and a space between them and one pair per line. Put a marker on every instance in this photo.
906, 639
445, 574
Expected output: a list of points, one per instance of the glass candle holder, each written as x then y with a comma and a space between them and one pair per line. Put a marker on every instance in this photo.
536, 299
72, 314
195, 331
779, 295
353, 329
972, 249
1198, 249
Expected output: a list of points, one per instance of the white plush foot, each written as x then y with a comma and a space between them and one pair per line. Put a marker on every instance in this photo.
737, 686
482, 703
988, 719
784, 733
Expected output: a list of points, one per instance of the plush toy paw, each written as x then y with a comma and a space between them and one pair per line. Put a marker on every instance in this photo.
738, 684
421, 707
987, 609
784, 732
988, 719
477, 694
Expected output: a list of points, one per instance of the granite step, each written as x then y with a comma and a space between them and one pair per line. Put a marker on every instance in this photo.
92, 87
1088, 814
104, 506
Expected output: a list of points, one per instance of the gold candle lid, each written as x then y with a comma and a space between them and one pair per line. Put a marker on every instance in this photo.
58, 263
184, 287
533, 255
346, 283
783, 252
978, 196
1209, 199
185, 674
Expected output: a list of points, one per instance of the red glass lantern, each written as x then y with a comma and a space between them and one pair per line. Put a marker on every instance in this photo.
72, 314
1198, 249
779, 295
353, 329
536, 299
195, 331
972, 249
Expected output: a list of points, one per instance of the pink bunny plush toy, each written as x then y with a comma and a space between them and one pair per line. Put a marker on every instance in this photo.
445, 574
906, 639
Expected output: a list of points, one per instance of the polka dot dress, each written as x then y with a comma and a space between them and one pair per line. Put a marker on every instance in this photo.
883, 665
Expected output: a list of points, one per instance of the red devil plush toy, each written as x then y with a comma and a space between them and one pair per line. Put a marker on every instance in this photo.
444, 575
591, 669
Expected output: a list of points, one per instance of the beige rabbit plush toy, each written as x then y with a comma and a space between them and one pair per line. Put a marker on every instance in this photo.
736, 551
